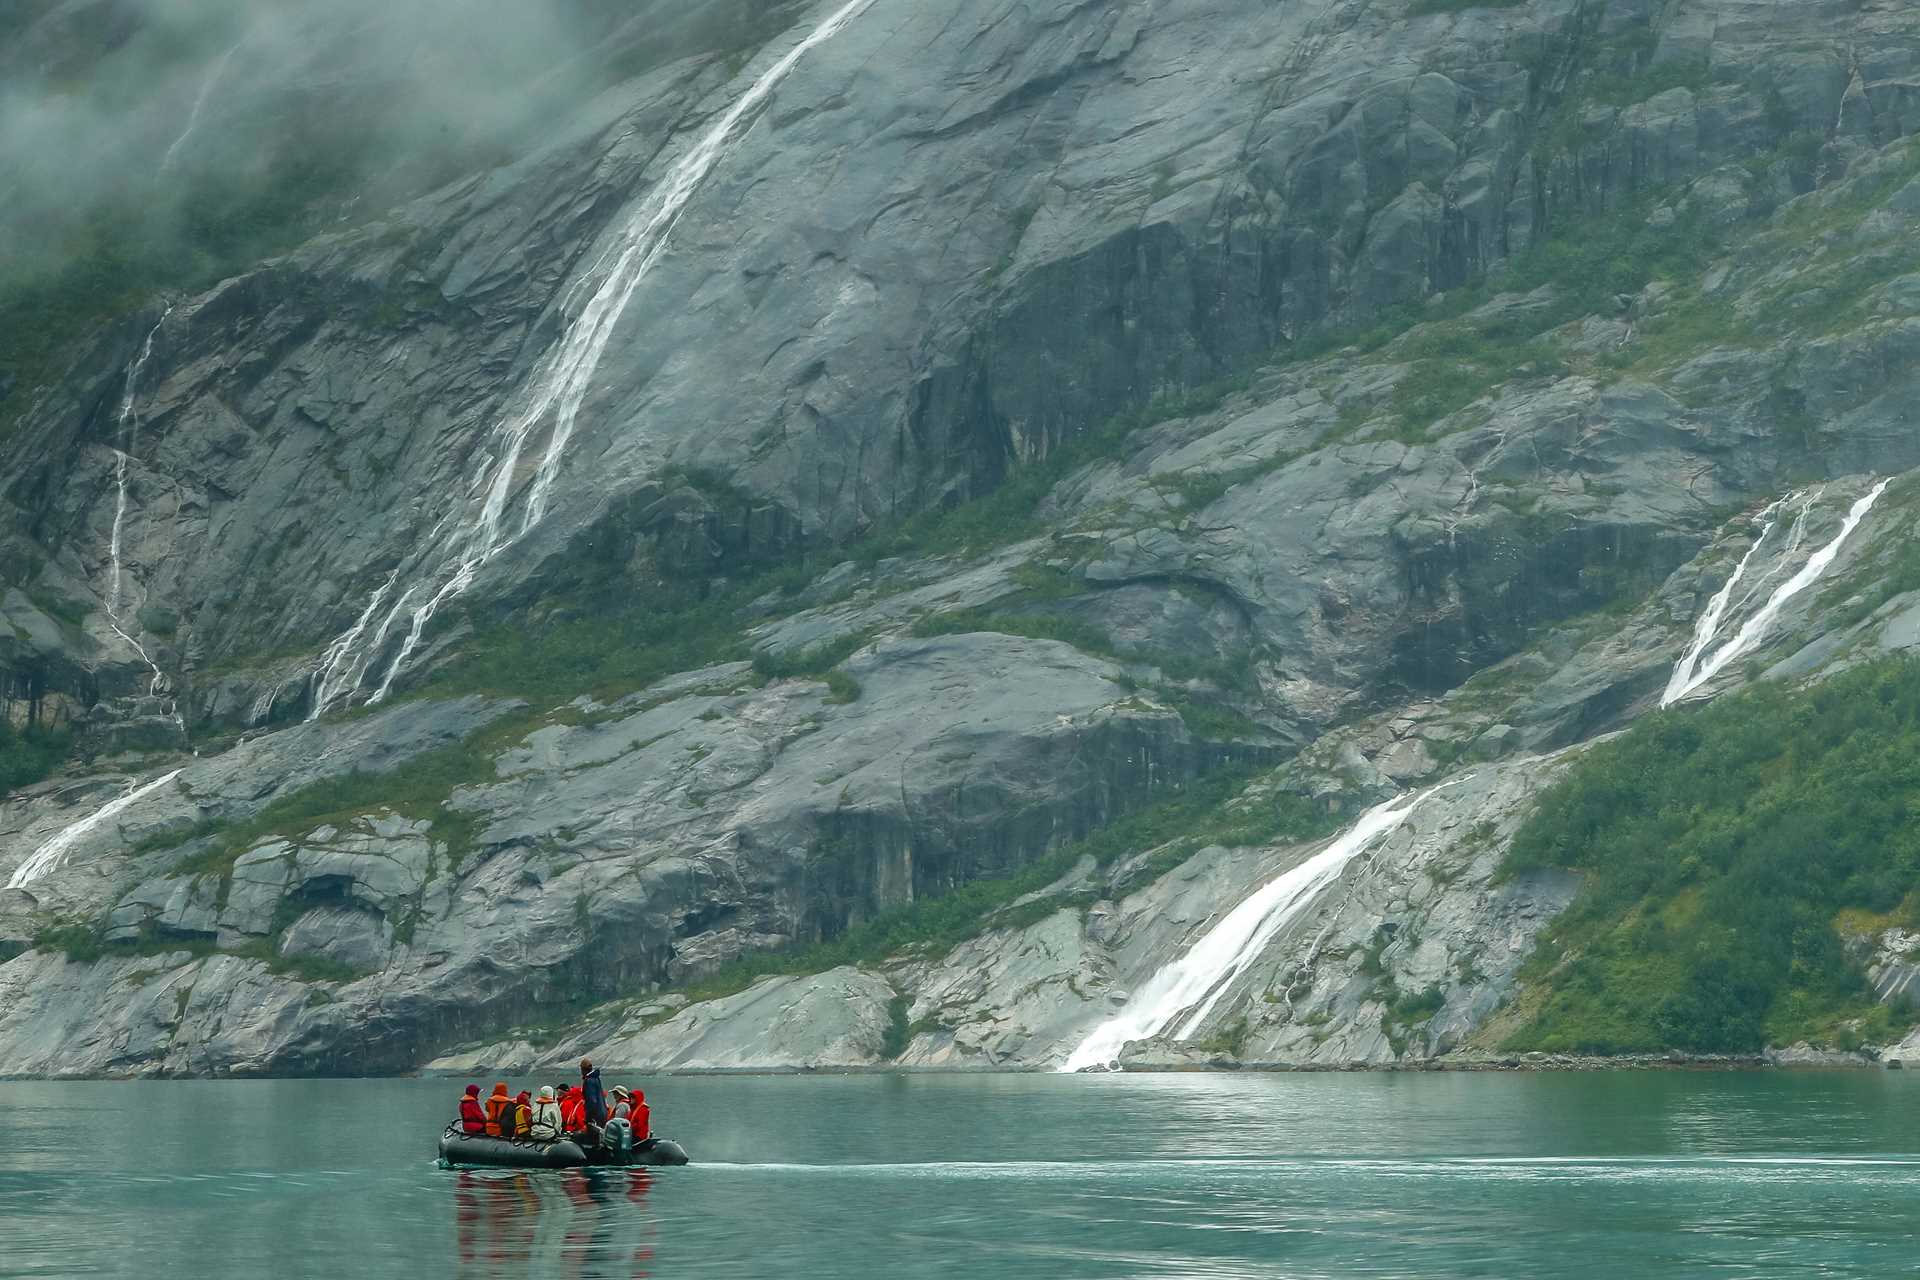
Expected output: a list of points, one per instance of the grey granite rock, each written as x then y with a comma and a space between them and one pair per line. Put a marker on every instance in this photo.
958, 241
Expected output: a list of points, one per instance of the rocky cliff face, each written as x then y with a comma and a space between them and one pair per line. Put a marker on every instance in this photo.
1041, 409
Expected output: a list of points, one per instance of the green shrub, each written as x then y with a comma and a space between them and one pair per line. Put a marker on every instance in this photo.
31, 754
899, 1030
842, 688
1718, 845
78, 942
420, 788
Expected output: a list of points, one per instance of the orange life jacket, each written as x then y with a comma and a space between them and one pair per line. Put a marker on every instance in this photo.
496, 1104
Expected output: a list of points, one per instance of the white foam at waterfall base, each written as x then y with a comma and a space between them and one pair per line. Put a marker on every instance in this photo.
1198, 978
1692, 672
557, 392
50, 855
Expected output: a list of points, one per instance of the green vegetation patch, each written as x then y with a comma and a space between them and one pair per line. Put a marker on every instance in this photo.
1719, 847
30, 754
85, 943
679, 629
421, 788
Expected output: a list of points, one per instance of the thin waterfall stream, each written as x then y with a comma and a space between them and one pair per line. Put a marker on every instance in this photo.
199, 105
129, 425
554, 402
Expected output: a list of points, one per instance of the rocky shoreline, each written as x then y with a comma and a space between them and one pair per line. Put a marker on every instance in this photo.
1772, 1060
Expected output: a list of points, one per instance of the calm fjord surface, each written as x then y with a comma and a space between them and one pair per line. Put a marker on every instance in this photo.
1014, 1176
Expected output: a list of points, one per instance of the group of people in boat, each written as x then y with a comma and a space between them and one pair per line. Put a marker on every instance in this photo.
589, 1113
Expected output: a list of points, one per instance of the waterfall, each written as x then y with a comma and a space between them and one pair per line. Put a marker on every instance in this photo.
199, 105
1198, 979
557, 392
1692, 671
128, 424
1709, 622
1796, 534
337, 664
50, 855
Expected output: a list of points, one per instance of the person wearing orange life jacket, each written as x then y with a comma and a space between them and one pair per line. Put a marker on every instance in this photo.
521, 1111
496, 1104
473, 1117
641, 1117
573, 1111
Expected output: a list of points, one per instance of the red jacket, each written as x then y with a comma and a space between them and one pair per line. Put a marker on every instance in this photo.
472, 1118
573, 1113
641, 1118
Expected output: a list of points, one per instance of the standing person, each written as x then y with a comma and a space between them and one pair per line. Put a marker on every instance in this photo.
546, 1117
497, 1103
473, 1117
594, 1092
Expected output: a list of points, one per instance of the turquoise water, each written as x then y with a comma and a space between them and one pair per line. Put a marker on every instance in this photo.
1755, 1174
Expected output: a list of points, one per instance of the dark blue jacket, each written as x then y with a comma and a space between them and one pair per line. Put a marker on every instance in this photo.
596, 1096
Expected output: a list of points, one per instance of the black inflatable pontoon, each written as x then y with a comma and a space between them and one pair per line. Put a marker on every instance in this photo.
457, 1148
647, 1151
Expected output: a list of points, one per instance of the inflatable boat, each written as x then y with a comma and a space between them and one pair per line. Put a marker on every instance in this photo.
467, 1150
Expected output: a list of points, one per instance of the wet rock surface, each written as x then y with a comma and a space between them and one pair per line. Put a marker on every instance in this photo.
959, 240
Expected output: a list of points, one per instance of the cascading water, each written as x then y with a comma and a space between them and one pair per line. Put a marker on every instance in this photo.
129, 425
557, 393
1796, 534
1198, 979
199, 105
1695, 668
1709, 622
50, 855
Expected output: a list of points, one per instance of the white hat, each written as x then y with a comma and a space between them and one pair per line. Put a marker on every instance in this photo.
546, 1093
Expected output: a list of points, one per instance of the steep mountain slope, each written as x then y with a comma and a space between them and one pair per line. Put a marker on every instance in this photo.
1059, 460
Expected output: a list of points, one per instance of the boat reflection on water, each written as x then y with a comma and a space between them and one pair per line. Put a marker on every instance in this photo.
587, 1223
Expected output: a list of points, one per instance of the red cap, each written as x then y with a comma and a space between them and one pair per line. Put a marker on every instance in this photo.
474, 1089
